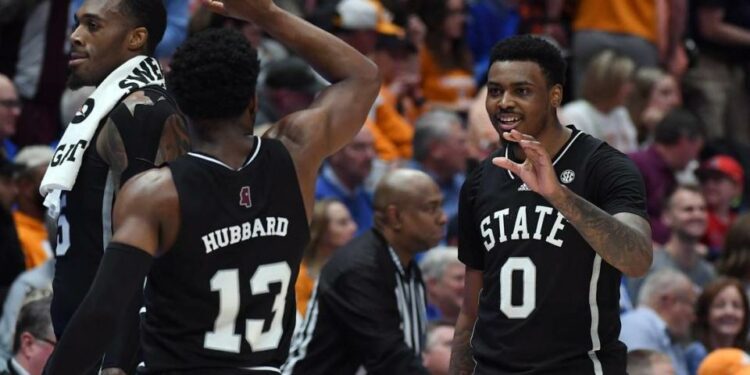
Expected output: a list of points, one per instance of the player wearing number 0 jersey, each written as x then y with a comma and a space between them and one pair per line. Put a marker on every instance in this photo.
226, 223
548, 223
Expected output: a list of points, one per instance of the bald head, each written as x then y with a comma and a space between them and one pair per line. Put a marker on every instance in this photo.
10, 108
401, 187
409, 210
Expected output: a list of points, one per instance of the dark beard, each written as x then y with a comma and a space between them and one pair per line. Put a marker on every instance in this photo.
74, 82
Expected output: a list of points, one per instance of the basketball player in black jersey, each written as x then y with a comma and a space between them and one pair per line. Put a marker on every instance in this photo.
548, 223
144, 130
227, 223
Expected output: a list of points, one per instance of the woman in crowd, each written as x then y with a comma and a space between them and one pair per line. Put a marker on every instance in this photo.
331, 227
601, 110
735, 259
445, 59
721, 320
655, 94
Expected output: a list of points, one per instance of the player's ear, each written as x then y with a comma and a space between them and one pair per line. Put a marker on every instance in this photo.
556, 95
138, 39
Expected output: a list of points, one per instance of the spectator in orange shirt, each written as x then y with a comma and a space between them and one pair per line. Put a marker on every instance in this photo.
447, 79
394, 56
29, 217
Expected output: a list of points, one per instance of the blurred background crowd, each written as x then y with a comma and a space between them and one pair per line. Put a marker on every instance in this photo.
665, 81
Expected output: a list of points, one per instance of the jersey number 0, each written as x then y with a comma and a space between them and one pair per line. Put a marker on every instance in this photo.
227, 283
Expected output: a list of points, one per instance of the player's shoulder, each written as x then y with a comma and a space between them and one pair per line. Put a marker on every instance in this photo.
146, 102
152, 187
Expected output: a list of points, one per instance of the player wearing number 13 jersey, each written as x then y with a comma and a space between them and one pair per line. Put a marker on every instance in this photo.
227, 223
548, 224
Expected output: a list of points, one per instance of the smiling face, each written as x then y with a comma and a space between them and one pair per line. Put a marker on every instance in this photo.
100, 42
518, 97
726, 314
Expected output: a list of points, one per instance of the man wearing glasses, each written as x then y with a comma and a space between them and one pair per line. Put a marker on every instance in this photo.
33, 341
10, 110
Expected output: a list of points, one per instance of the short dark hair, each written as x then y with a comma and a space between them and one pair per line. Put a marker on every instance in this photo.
677, 124
33, 318
533, 49
213, 74
150, 14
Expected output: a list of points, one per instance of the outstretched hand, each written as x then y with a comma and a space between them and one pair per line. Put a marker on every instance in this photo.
241, 9
537, 170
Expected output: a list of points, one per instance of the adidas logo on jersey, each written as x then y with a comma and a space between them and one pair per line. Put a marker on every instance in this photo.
524, 187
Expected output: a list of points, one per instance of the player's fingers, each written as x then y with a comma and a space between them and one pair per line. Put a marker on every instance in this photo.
215, 6
507, 164
535, 152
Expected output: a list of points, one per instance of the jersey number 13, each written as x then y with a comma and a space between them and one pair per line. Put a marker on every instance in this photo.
227, 283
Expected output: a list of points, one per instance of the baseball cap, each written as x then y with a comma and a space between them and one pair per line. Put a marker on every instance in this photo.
365, 15
724, 165
292, 73
727, 361
34, 156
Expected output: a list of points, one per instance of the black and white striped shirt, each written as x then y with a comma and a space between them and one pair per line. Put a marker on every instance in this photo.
367, 311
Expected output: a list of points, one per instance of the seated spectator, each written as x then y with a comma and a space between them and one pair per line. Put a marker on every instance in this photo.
289, 86
11, 255
685, 216
32, 162
440, 151
446, 62
343, 175
721, 320
436, 355
330, 228
33, 341
481, 136
394, 135
722, 181
601, 110
34, 282
655, 93
735, 259
443, 275
678, 139
649, 362
663, 317
369, 306
726, 362
10, 110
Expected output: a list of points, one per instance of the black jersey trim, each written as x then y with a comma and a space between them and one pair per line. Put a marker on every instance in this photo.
557, 158
248, 161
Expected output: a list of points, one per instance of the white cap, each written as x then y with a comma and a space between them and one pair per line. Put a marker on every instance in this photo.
357, 15
34, 156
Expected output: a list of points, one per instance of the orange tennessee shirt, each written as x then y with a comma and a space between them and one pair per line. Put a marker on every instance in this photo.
33, 237
635, 17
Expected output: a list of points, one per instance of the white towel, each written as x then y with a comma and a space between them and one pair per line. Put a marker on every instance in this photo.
134, 74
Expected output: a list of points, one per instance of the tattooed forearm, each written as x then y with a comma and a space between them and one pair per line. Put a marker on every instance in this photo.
623, 240
174, 140
462, 362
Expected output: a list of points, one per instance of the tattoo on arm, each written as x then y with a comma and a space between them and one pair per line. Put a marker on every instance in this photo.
174, 140
625, 244
462, 362
112, 149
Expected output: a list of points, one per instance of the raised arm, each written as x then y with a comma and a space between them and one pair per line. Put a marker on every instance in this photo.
339, 111
462, 361
622, 239
140, 207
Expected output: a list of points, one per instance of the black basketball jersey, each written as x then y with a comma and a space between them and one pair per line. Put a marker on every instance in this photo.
221, 300
549, 304
84, 227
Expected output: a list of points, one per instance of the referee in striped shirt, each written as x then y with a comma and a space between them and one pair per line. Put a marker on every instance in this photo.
368, 310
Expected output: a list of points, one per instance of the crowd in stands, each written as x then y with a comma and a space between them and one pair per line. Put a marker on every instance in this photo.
666, 82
